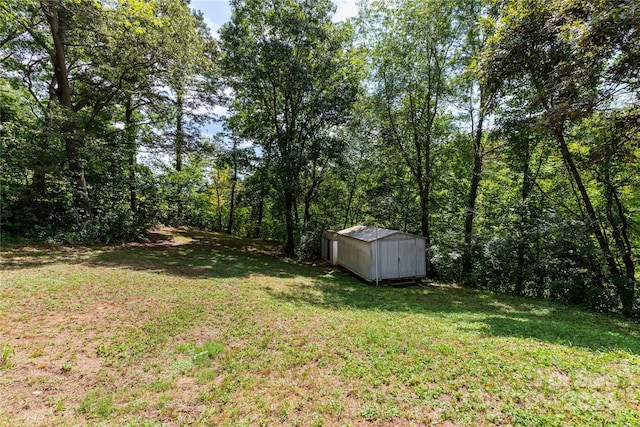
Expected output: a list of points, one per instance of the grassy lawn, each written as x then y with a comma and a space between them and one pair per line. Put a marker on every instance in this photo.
206, 329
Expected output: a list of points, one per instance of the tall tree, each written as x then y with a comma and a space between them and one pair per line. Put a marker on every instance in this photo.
412, 47
480, 101
287, 65
550, 49
76, 58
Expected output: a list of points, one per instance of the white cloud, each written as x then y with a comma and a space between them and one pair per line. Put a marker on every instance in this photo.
213, 27
346, 9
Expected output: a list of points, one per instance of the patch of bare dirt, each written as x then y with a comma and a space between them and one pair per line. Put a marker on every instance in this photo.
55, 362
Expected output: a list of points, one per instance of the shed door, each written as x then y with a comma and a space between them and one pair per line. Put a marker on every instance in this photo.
388, 259
407, 258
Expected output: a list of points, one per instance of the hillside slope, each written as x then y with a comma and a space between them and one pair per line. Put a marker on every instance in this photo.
207, 329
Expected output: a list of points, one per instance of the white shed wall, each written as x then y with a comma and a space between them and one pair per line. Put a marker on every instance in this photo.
401, 256
329, 247
355, 255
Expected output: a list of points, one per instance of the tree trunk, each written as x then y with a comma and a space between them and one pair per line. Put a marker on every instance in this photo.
178, 148
594, 223
424, 205
179, 138
257, 231
306, 218
38, 184
264, 172
467, 260
424, 214
352, 190
626, 283
130, 136
69, 128
76, 169
296, 214
234, 180
289, 199
521, 248
216, 186
424, 223
425, 194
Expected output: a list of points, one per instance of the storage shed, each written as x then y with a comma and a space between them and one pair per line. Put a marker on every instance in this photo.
380, 254
329, 246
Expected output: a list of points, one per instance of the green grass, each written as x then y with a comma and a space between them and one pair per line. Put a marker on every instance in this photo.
208, 329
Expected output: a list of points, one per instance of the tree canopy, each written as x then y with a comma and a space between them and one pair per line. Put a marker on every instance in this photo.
506, 133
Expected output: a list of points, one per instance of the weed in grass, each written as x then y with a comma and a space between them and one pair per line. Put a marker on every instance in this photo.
36, 352
214, 396
135, 406
206, 376
180, 366
184, 348
283, 414
390, 412
369, 412
335, 407
200, 354
58, 404
97, 404
5, 357
142, 423
159, 386
163, 402
209, 350
317, 421
101, 350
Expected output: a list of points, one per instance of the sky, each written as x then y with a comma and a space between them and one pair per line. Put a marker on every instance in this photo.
217, 12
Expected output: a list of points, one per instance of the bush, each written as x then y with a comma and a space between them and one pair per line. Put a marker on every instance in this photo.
309, 246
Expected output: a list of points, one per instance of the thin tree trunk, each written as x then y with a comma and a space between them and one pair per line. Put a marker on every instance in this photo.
234, 180
306, 217
523, 225
289, 200
178, 148
425, 195
218, 199
308, 197
132, 149
76, 164
625, 283
467, 261
38, 184
257, 232
352, 191
296, 214
179, 138
594, 223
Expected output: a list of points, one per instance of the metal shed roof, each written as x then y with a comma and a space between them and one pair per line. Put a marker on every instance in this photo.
368, 234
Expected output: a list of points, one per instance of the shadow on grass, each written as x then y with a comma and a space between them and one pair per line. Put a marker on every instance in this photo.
196, 254
498, 315
205, 255
182, 252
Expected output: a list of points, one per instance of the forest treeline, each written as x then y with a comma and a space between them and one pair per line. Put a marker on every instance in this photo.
504, 132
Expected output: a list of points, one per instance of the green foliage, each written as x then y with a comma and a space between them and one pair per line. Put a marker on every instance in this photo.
97, 404
291, 74
545, 59
208, 350
504, 132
